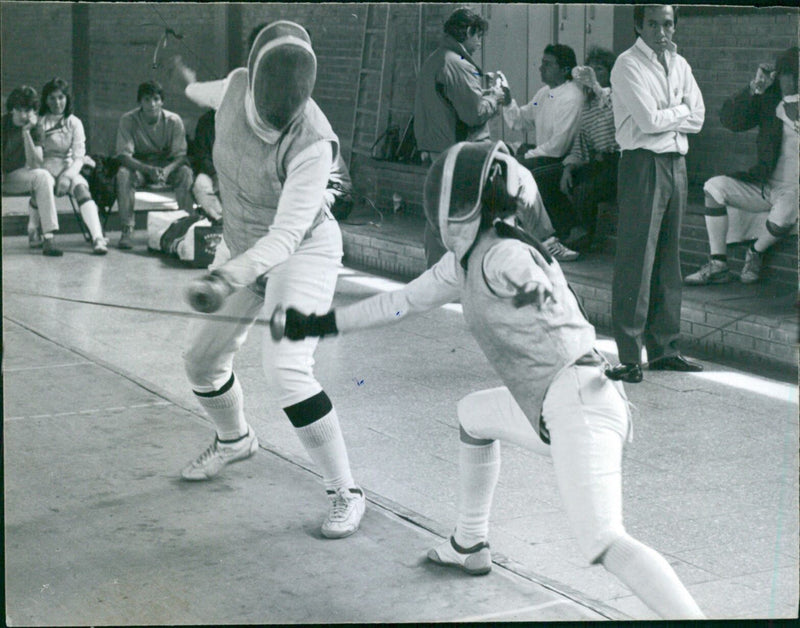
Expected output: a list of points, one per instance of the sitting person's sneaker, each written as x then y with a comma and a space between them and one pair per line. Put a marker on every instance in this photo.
99, 246
346, 509
34, 238
49, 248
578, 239
125, 238
555, 247
475, 560
753, 262
715, 271
220, 453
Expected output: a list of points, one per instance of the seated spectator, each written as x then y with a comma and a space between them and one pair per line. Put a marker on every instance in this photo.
590, 169
151, 148
553, 115
22, 171
206, 185
762, 202
63, 143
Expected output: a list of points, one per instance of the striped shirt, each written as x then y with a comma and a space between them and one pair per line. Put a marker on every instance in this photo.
596, 134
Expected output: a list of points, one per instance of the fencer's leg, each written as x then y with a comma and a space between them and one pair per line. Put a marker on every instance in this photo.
209, 368
647, 573
588, 421
317, 426
307, 281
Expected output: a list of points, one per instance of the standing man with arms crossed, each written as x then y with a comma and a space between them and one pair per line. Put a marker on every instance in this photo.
451, 104
656, 104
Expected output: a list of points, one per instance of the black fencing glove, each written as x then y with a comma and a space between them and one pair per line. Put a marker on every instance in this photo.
299, 326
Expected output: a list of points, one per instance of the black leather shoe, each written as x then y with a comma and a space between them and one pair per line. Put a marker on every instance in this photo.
675, 363
631, 373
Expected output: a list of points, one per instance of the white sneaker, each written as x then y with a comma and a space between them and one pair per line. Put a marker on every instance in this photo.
475, 560
753, 262
212, 460
99, 246
557, 249
344, 516
714, 271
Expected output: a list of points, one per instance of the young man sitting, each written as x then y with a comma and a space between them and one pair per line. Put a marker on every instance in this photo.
761, 203
151, 148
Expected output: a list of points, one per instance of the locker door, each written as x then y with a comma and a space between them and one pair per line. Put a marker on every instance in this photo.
517, 36
505, 48
599, 27
572, 28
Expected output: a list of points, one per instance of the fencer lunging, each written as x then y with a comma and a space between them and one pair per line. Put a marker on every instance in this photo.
557, 399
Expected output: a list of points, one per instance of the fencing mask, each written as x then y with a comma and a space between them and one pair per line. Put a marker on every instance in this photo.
282, 70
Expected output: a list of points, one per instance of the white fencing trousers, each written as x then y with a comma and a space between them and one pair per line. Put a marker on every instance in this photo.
588, 420
307, 282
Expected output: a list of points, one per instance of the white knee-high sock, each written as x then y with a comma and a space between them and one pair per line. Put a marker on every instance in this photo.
648, 574
717, 228
478, 471
89, 214
324, 442
227, 412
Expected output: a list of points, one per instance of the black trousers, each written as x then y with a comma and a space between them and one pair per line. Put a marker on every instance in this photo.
547, 172
592, 184
646, 288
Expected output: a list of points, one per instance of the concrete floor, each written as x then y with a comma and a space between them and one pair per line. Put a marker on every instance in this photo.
98, 420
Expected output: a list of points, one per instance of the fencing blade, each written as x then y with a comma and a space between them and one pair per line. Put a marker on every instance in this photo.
147, 310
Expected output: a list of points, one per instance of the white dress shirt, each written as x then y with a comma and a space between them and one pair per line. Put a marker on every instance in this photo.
553, 114
654, 109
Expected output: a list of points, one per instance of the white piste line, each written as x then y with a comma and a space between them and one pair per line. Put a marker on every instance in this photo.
18, 369
514, 611
89, 411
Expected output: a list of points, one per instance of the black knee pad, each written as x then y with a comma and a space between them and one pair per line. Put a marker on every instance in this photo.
309, 410
777, 231
216, 393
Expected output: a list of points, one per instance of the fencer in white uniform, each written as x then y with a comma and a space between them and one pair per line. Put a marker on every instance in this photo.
273, 152
556, 399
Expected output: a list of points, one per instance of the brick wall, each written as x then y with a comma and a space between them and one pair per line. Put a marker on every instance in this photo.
36, 44
724, 47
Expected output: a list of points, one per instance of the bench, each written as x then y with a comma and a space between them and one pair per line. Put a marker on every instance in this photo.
15, 212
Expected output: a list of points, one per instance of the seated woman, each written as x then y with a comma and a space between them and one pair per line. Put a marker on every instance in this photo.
63, 143
22, 173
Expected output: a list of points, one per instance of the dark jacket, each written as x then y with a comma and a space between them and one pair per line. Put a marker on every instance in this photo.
744, 111
201, 149
13, 144
450, 105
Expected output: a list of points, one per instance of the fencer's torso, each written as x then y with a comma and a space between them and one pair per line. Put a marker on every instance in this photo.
251, 171
527, 346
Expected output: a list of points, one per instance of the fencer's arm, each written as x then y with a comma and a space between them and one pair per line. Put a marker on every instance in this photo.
207, 93
299, 204
437, 286
512, 270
